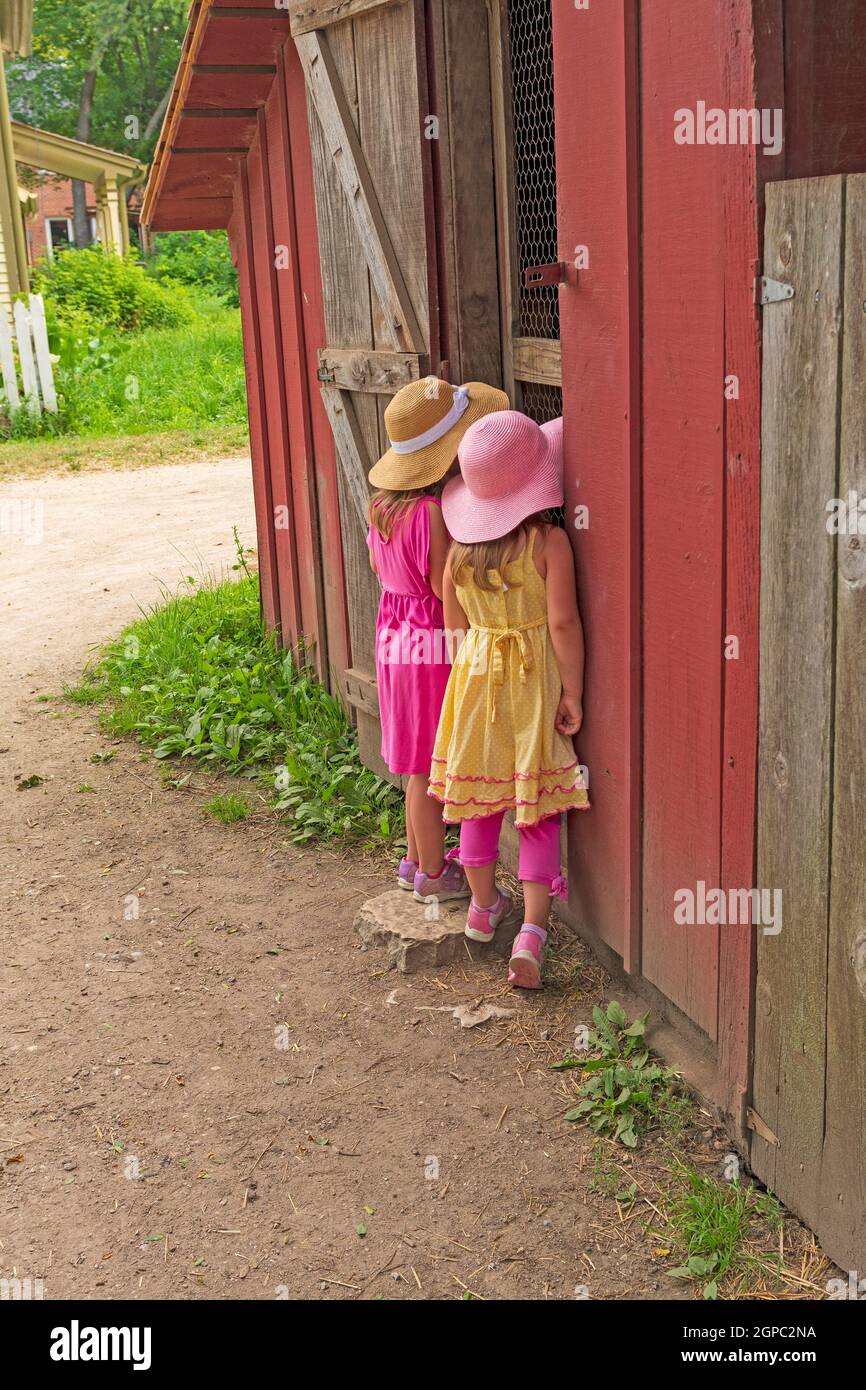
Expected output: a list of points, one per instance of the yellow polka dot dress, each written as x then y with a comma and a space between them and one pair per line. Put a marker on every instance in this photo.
496, 747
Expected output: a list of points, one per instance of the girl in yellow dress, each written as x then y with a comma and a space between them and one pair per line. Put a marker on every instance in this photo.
514, 699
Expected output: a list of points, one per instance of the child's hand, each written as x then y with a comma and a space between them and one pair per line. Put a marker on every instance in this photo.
569, 716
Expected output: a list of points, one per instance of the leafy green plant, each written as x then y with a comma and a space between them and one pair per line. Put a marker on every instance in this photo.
99, 289
201, 260
198, 679
115, 383
623, 1087
227, 809
711, 1223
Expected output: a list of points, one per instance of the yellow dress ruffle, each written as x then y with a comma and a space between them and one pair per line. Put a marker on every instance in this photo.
497, 748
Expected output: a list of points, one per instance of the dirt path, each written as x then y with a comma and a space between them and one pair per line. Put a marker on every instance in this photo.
207, 1089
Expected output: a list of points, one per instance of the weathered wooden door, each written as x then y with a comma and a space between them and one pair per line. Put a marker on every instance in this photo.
809, 1095
405, 206
363, 65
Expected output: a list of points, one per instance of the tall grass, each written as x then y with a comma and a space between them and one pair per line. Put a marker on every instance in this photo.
140, 383
197, 678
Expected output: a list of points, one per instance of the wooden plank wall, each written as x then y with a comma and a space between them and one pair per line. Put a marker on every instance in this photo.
376, 59
464, 190
270, 365
748, 84
683, 500
292, 364
346, 298
273, 236
240, 233
595, 83
810, 1026
842, 1214
825, 86
308, 332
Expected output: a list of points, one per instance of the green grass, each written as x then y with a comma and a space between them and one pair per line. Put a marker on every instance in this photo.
159, 379
721, 1229
227, 809
197, 680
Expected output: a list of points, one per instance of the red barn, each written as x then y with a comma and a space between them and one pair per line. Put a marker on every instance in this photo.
566, 198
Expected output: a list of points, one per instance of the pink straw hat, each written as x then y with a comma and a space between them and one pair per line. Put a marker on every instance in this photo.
511, 468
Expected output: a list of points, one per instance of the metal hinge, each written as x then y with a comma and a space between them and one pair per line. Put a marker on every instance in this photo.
760, 1127
769, 291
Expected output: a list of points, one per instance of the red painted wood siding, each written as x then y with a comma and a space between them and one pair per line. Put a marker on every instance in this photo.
682, 53
745, 89
293, 371
595, 88
240, 232
270, 366
319, 449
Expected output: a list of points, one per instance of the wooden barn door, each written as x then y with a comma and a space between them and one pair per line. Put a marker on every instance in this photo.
363, 63
809, 1100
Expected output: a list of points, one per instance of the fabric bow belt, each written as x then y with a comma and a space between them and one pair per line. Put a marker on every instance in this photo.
500, 640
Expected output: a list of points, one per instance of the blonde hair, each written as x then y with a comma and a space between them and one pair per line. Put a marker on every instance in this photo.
493, 555
388, 510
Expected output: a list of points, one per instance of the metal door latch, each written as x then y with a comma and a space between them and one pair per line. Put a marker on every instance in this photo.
769, 291
538, 276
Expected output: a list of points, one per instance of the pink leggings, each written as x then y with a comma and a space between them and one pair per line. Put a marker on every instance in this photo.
539, 847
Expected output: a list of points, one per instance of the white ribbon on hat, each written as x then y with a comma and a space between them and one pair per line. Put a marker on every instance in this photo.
454, 416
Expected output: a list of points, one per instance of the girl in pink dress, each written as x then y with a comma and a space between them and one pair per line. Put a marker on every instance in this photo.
409, 546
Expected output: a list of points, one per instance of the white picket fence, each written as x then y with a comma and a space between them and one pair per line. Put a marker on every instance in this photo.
34, 358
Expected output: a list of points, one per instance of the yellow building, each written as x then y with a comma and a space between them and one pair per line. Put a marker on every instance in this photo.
16, 18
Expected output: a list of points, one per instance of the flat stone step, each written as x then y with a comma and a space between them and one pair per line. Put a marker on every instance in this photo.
418, 935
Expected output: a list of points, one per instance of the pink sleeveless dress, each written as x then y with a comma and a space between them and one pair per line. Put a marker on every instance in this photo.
412, 666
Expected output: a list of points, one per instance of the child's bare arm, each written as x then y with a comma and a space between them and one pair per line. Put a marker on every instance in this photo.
440, 543
566, 629
456, 622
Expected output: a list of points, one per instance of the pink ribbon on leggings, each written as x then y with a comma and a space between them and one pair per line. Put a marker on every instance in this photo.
559, 888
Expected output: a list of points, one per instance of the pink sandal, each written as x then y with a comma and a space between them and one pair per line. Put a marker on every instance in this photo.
482, 922
527, 957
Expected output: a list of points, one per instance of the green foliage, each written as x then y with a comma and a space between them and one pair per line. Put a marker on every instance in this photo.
132, 45
93, 289
197, 678
201, 260
161, 379
227, 809
711, 1222
624, 1091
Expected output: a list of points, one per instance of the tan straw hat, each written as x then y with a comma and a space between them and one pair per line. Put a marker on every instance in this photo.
426, 422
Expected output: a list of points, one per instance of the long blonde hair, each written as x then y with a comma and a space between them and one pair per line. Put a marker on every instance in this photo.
493, 555
388, 510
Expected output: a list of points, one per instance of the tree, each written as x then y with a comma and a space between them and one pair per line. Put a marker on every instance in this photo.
100, 71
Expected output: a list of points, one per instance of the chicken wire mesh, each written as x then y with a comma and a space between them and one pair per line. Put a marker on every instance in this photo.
531, 42
531, 45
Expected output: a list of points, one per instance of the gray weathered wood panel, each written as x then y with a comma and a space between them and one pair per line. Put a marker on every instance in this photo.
801, 384
841, 1222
